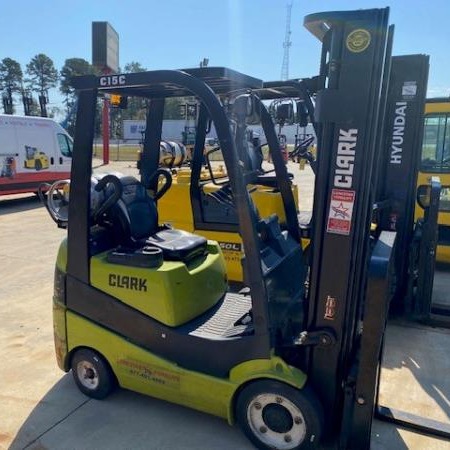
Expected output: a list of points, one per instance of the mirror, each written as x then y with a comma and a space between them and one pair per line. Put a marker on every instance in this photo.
285, 113
423, 196
245, 107
302, 113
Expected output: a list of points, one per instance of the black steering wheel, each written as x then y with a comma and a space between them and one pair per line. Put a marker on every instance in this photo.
106, 181
154, 179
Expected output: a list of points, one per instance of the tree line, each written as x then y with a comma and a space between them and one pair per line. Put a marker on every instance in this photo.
39, 76
31, 87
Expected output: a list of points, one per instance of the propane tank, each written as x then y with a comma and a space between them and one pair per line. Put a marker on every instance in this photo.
172, 154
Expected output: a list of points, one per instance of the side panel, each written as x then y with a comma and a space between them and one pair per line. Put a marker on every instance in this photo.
59, 333
28, 154
144, 372
169, 293
141, 371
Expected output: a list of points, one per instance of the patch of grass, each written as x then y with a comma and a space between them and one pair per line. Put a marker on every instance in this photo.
122, 152
126, 152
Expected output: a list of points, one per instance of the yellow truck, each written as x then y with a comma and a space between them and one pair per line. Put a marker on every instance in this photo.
435, 161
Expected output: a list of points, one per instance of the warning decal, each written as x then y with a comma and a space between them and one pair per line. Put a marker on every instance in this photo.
341, 211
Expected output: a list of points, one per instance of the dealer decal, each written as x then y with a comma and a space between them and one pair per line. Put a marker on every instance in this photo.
341, 211
232, 251
153, 374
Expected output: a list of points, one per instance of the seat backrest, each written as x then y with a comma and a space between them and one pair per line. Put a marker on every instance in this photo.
135, 216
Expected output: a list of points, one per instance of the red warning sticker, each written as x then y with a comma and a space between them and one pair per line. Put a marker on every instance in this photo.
341, 211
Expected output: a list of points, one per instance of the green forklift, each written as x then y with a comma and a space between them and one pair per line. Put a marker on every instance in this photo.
293, 357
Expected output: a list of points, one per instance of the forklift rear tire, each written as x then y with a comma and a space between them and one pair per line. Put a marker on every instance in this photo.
38, 165
92, 374
275, 415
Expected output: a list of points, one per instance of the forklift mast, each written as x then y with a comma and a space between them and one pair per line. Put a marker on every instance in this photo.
349, 106
403, 134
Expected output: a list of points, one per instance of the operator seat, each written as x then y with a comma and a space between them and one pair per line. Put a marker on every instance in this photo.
134, 219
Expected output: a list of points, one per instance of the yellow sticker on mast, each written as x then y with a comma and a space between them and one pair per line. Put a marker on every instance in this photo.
358, 40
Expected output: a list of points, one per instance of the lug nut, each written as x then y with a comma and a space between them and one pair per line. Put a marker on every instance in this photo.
287, 438
298, 420
257, 405
279, 399
263, 429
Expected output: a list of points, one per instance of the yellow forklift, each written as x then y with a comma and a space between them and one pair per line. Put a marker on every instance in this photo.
435, 162
35, 159
294, 357
200, 199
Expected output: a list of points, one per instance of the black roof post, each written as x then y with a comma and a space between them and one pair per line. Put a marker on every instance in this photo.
80, 187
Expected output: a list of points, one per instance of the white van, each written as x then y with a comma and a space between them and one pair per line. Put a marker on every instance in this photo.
33, 150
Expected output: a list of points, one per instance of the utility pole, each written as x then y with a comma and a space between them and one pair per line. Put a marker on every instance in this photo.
287, 43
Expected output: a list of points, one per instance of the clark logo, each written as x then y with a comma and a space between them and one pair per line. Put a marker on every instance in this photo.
345, 158
358, 40
126, 282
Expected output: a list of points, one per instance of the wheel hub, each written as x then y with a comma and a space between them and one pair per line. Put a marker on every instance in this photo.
276, 421
87, 374
277, 418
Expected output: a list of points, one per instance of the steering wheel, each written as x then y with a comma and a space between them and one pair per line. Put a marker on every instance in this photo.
111, 199
57, 202
166, 184
58, 196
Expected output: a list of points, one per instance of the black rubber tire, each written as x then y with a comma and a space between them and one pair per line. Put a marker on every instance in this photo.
96, 369
38, 165
304, 399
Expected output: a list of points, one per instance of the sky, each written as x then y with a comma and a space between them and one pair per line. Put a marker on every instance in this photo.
245, 35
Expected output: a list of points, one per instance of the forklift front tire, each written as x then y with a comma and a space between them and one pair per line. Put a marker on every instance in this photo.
274, 415
92, 374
